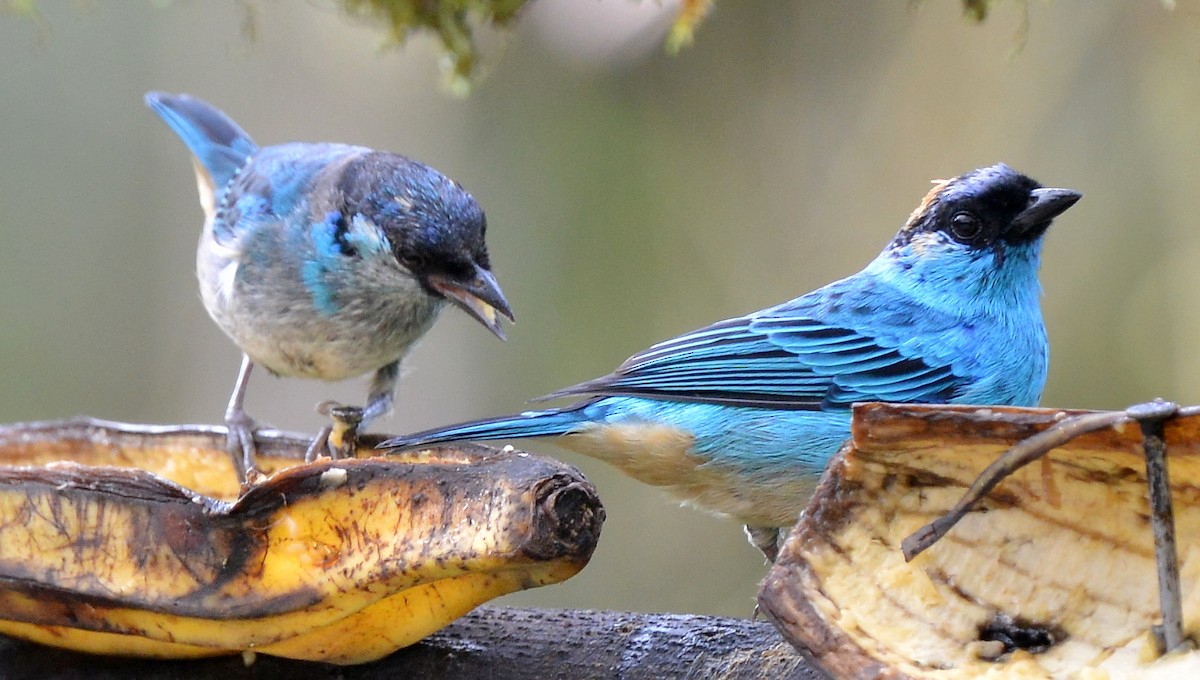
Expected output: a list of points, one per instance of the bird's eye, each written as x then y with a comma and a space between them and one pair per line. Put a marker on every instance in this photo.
415, 261
964, 226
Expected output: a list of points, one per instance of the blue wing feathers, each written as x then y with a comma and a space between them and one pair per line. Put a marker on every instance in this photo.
800, 355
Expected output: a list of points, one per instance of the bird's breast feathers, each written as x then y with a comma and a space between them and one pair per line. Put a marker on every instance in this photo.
657, 454
317, 312
662, 455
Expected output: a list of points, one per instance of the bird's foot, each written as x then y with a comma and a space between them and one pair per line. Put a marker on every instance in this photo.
766, 539
339, 438
239, 442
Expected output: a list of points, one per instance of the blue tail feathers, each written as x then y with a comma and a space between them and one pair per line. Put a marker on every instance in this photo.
529, 424
217, 142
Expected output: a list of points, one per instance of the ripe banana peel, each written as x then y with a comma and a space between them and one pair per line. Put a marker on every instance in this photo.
1054, 576
134, 541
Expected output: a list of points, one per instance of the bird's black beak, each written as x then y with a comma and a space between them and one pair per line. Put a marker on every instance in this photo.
1044, 205
480, 296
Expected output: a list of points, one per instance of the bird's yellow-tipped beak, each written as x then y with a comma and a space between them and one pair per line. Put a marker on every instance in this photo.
480, 296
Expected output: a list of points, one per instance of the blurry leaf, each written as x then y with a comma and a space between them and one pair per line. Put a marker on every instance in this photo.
249, 19
27, 9
976, 9
683, 31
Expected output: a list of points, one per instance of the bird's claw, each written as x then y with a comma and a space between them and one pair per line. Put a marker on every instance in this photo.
239, 442
339, 438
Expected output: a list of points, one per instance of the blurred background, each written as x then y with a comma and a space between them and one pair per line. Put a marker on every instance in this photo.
631, 196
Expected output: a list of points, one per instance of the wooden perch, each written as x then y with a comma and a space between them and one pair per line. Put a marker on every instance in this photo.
491, 642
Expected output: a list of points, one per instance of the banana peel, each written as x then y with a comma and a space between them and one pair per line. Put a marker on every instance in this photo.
128, 540
1053, 576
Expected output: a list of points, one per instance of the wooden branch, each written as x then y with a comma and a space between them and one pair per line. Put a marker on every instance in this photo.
491, 642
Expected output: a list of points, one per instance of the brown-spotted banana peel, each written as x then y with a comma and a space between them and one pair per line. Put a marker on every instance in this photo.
131, 541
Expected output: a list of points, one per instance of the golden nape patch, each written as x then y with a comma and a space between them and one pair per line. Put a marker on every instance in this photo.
1054, 576
930, 198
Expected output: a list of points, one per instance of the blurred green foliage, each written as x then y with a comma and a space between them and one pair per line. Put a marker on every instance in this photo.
455, 22
452, 20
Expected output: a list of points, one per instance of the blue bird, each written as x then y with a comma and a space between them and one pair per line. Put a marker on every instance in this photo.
326, 261
741, 417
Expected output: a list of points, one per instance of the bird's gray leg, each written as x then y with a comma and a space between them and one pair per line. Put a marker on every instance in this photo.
766, 539
383, 390
239, 438
379, 402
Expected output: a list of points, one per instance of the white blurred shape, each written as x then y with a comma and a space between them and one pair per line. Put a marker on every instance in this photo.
602, 33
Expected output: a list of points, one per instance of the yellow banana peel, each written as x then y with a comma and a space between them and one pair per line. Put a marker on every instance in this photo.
1054, 576
133, 541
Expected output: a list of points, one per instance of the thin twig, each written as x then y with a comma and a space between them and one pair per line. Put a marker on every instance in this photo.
1162, 520
1023, 453
1029, 450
